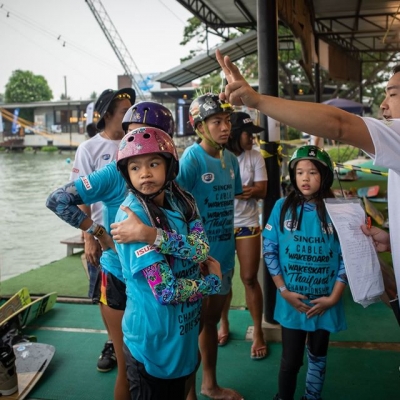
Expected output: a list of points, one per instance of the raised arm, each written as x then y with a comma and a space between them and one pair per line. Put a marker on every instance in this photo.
316, 119
193, 246
168, 290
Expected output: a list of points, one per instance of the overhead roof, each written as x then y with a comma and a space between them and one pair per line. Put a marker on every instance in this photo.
206, 63
367, 27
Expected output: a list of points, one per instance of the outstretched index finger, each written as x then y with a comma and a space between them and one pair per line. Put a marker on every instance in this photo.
231, 71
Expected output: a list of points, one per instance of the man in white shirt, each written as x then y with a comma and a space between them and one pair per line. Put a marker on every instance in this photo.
379, 138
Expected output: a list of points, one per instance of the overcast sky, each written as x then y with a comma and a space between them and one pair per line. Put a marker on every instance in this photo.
61, 38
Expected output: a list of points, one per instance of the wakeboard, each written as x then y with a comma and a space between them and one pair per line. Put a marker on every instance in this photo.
15, 303
31, 360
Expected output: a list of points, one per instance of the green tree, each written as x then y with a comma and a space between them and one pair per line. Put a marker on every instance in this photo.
25, 87
291, 75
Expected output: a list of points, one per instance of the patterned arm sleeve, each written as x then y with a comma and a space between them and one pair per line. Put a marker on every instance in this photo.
271, 257
171, 291
64, 203
342, 276
193, 246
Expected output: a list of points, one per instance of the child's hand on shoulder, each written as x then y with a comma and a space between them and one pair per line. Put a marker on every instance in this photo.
130, 230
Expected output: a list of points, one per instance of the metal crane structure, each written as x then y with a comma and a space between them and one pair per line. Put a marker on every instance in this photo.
117, 44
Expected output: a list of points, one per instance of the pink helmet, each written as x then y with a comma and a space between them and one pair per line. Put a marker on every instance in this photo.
147, 140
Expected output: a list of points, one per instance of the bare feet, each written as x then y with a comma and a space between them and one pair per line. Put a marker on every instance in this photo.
220, 393
223, 335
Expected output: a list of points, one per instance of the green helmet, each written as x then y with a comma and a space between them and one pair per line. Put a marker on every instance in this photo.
316, 154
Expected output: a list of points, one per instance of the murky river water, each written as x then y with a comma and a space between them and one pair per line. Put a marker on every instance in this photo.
30, 233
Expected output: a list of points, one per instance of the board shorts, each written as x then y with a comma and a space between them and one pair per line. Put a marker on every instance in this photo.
109, 291
246, 232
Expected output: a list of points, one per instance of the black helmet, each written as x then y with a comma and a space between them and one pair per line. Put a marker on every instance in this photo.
207, 105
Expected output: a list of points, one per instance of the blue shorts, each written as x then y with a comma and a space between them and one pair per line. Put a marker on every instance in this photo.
246, 232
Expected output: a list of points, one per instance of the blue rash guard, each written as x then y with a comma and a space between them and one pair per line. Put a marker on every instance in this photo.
214, 189
310, 262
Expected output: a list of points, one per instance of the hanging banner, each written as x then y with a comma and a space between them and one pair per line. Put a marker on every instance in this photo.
1, 123
89, 113
15, 125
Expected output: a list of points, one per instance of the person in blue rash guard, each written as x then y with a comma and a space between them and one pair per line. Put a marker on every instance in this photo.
108, 186
212, 175
303, 255
164, 292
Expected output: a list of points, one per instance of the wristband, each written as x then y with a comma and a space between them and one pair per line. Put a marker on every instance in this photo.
92, 228
282, 288
100, 231
159, 237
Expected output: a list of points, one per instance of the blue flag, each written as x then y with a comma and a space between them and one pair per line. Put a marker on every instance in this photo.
15, 125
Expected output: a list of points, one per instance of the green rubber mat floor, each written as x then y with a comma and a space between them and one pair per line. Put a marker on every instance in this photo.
352, 373
68, 278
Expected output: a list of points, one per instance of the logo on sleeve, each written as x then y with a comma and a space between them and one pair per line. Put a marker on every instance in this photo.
106, 157
75, 170
144, 250
268, 227
86, 183
290, 225
208, 177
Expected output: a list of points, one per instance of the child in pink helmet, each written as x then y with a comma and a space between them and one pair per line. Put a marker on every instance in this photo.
164, 285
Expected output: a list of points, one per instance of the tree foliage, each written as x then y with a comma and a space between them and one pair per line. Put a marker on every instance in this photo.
25, 87
291, 75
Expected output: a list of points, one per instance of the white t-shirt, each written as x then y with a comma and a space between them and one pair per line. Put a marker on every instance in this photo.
252, 169
386, 138
91, 155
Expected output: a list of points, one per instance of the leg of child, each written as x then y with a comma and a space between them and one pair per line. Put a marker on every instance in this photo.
223, 331
317, 348
293, 341
211, 312
249, 264
114, 321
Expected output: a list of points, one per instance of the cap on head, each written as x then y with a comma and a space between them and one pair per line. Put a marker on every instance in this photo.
316, 154
104, 101
152, 114
242, 121
207, 105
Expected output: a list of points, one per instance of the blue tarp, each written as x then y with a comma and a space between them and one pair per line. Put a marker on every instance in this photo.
347, 105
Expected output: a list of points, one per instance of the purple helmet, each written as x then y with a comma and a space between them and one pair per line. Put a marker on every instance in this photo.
148, 140
150, 113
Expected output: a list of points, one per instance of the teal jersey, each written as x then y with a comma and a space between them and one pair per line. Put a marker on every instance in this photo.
214, 189
108, 186
164, 337
310, 262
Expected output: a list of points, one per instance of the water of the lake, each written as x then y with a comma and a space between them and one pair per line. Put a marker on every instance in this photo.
31, 233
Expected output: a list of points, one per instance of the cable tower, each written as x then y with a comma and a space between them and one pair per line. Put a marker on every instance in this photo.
117, 44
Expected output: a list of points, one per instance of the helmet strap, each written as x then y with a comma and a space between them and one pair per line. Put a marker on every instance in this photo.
211, 142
